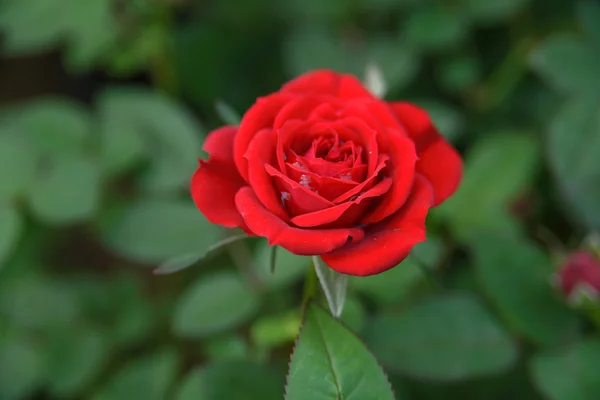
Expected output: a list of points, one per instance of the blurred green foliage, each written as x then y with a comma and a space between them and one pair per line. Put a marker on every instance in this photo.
105, 105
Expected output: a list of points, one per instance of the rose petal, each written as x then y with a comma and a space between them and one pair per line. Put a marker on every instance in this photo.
302, 108
345, 214
328, 187
298, 241
368, 138
387, 243
219, 143
215, 182
366, 184
213, 188
403, 157
373, 112
355, 136
327, 82
261, 151
438, 160
297, 197
260, 116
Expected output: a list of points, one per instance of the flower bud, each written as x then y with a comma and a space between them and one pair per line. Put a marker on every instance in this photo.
579, 276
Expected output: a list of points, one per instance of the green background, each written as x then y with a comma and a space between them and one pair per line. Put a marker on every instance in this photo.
104, 106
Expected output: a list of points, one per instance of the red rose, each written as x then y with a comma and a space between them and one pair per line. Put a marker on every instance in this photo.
322, 167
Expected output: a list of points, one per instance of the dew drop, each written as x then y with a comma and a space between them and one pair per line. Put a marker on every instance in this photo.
353, 198
346, 176
305, 181
298, 165
375, 238
284, 157
285, 196
396, 229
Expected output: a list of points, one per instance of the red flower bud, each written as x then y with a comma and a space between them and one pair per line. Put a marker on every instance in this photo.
580, 271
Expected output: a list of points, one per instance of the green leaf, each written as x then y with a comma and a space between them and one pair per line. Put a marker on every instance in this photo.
497, 11
17, 164
444, 338
568, 63
334, 285
275, 330
53, 126
330, 362
230, 347
122, 144
134, 321
171, 135
395, 284
88, 27
37, 302
11, 227
574, 155
75, 358
289, 268
515, 275
231, 380
458, 74
67, 191
21, 367
152, 231
146, 44
184, 261
588, 14
119, 302
434, 30
149, 377
214, 304
569, 374
498, 168
16, 21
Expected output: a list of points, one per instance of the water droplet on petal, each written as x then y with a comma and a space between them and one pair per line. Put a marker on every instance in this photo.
375, 238
298, 165
305, 181
396, 229
284, 157
285, 196
346, 176
353, 198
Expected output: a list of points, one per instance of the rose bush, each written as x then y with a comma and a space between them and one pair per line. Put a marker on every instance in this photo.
322, 167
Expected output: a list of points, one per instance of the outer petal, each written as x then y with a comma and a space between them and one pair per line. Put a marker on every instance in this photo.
215, 182
219, 143
260, 116
260, 153
438, 160
298, 241
387, 243
327, 82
